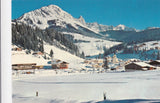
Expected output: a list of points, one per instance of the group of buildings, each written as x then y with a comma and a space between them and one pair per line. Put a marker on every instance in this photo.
55, 64
112, 63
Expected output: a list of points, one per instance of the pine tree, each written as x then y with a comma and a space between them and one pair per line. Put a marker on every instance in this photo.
51, 53
45, 57
83, 55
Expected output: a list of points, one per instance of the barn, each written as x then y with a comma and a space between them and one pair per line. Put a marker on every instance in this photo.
139, 66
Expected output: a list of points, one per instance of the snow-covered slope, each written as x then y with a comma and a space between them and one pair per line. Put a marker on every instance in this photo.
91, 46
75, 62
143, 51
149, 45
19, 57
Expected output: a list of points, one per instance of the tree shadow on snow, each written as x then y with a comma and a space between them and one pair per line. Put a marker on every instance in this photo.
131, 101
73, 82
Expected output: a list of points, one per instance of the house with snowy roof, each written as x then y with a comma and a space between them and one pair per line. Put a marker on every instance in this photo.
24, 66
37, 53
58, 64
139, 66
155, 63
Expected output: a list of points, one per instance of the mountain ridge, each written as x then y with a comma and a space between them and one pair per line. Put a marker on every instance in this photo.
61, 17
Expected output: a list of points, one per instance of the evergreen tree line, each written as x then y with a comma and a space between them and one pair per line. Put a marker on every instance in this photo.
133, 36
32, 39
114, 49
26, 37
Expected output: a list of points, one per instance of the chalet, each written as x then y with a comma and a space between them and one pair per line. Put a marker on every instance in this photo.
63, 65
158, 48
139, 66
58, 64
108, 59
17, 49
155, 63
26, 66
86, 61
98, 65
141, 45
98, 61
93, 61
155, 44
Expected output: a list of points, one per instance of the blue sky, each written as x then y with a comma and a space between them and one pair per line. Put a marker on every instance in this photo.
139, 14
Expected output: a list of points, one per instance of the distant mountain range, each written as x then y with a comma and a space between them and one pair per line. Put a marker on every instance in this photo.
134, 36
53, 16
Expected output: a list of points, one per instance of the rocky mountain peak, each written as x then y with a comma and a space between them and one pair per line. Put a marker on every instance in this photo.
81, 19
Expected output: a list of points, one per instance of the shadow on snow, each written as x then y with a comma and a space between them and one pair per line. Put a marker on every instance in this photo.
131, 101
74, 82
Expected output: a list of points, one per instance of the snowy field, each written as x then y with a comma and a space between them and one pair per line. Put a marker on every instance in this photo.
92, 46
138, 87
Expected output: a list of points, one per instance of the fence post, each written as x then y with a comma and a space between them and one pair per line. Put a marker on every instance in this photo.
104, 95
36, 93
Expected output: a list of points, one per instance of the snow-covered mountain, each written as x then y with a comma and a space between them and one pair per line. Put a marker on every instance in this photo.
48, 16
54, 16
152, 28
123, 27
101, 28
